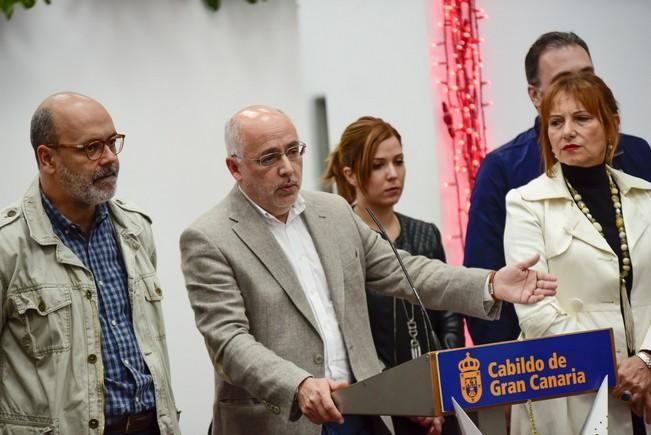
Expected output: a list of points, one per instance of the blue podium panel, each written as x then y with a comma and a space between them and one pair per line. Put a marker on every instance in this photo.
516, 371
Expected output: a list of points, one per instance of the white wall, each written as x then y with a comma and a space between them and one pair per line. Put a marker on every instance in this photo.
618, 34
371, 58
171, 73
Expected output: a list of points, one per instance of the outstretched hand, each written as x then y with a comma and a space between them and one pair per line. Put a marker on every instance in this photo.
519, 284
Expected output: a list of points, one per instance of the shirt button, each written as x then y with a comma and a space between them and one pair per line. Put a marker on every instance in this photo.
89, 294
114, 322
11, 213
126, 362
41, 305
92, 358
159, 291
93, 424
318, 359
101, 283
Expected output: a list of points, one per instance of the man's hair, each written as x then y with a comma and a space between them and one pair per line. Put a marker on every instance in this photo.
232, 137
356, 149
42, 128
543, 43
597, 99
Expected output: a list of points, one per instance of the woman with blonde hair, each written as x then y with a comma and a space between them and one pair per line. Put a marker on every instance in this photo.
368, 169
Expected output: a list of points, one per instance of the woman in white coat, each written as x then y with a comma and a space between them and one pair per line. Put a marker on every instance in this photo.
591, 226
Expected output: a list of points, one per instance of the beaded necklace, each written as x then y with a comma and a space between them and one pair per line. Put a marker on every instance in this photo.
625, 268
412, 326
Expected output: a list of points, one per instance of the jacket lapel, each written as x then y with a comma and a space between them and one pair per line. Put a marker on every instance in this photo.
40, 227
636, 211
250, 227
575, 222
322, 230
578, 226
635, 222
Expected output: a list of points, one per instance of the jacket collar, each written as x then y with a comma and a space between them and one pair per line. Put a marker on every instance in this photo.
575, 223
40, 227
546, 187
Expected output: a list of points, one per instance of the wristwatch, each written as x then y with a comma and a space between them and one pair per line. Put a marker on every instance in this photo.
646, 358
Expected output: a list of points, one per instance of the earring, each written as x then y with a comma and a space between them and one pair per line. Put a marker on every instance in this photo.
610, 146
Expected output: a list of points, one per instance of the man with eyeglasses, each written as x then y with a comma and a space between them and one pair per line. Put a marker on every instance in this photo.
276, 277
82, 341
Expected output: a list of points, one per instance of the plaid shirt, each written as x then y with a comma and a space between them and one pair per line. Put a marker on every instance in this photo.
128, 385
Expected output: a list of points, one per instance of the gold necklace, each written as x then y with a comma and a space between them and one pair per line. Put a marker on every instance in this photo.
532, 422
619, 223
625, 268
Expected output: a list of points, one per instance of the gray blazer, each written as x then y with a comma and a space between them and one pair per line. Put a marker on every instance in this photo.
256, 320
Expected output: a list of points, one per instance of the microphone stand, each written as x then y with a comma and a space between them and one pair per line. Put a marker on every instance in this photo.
428, 323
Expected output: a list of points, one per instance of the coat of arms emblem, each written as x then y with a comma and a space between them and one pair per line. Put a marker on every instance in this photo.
470, 379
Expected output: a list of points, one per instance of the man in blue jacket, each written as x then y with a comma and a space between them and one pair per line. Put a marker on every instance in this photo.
517, 162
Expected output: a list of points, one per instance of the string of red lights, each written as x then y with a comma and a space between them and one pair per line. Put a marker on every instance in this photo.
462, 105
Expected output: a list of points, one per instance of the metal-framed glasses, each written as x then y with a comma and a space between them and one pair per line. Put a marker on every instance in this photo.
293, 152
95, 149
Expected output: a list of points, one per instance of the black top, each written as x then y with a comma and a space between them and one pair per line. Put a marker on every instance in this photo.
418, 238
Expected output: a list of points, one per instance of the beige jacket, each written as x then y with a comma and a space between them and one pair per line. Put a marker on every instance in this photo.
542, 218
257, 322
51, 371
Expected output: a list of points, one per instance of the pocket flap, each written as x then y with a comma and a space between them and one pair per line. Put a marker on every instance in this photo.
557, 241
153, 291
44, 300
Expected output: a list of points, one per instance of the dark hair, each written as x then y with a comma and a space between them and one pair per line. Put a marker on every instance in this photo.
42, 128
597, 99
355, 150
543, 43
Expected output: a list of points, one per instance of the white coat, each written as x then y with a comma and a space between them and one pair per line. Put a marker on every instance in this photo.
542, 218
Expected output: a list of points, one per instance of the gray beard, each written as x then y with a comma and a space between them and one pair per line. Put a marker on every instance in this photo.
81, 187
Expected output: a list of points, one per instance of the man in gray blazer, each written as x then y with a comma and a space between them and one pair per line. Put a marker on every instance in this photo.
276, 278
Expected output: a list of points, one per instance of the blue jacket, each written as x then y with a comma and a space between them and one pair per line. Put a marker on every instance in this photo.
512, 165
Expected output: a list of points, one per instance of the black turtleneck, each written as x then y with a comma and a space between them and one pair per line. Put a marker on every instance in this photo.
592, 185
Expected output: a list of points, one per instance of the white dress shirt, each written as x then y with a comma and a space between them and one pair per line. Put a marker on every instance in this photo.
297, 244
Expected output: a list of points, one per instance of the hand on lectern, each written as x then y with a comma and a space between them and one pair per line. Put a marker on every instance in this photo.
314, 398
519, 284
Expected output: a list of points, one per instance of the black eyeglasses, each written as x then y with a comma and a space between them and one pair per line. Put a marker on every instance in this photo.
95, 149
293, 152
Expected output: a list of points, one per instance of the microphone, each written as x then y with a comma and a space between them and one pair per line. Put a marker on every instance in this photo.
428, 323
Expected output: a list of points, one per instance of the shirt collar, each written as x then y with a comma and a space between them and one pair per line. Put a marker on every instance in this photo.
295, 210
63, 223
